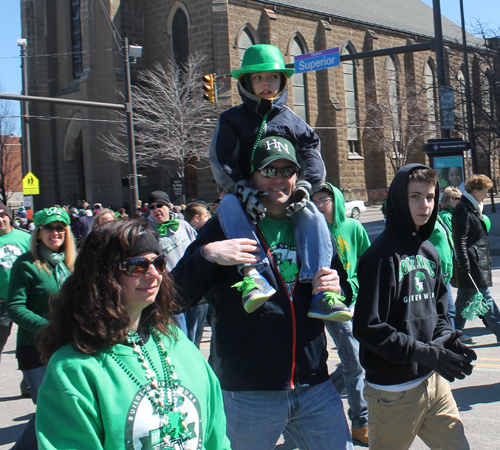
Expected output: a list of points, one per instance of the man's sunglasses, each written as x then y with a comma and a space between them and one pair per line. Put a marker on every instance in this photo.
270, 172
135, 267
51, 228
157, 206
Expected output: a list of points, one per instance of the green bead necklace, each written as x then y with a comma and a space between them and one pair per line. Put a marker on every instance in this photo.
161, 393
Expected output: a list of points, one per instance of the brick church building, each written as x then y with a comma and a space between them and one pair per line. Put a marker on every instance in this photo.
73, 55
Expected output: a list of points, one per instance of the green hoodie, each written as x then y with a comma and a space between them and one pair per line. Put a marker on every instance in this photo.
90, 402
442, 239
350, 238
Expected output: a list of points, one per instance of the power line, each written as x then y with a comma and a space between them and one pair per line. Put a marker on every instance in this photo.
63, 118
108, 50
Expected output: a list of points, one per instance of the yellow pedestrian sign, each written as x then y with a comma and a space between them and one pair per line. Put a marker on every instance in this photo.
31, 186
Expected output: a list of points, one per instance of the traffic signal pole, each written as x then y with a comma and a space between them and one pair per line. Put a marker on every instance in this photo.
440, 62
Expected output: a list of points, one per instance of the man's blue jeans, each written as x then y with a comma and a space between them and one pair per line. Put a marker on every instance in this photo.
349, 374
28, 440
313, 416
492, 317
313, 239
451, 313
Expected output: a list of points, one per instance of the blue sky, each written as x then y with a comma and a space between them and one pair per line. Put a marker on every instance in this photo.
10, 30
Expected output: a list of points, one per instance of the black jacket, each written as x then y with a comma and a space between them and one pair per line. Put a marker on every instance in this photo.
402, 296
471, 246
237, 130
277, 346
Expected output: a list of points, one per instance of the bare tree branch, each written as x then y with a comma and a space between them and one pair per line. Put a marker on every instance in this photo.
10, 153
172, 121
398, 119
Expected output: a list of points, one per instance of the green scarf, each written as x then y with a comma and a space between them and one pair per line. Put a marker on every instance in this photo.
56, 262
162, 228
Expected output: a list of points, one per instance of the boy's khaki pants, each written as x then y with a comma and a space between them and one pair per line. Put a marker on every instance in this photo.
428, 410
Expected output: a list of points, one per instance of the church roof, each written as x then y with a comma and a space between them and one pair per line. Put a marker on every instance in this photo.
409, 16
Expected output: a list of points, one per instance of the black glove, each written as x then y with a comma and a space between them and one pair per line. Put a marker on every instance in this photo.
255, 210
450, 342
445, 362
446, 340
299, 198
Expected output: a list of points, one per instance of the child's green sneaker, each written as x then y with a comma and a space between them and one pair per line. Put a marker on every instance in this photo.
329, 306
256, 291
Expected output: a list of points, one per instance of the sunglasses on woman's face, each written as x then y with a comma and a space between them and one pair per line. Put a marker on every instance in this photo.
270, 172
51, 228
135, 267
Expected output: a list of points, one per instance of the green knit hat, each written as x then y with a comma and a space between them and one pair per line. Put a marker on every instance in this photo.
48, 215
262, 58
273, 148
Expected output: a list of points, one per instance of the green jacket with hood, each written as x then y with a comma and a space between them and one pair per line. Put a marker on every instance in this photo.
350, 237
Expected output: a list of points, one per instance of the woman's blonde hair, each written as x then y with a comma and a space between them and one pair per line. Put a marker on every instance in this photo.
449, 193
97, 218
478, 182
68, 245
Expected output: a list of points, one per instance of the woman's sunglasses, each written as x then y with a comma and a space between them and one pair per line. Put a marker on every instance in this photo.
135, 267
50, 228
270, 172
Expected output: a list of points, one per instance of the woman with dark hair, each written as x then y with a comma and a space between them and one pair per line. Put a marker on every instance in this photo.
36, 278
121, 375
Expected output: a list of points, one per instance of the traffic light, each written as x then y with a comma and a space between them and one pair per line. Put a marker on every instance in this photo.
209, 88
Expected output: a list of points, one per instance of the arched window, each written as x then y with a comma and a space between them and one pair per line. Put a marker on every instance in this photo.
180, 36
245, 40
298, 82
462, 105
430, 87
392, 73
351, 108
76, 38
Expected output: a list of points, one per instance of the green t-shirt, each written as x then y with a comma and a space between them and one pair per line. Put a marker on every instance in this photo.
12, 245
280, 239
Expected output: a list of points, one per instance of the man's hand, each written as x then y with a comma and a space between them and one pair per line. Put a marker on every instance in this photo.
231, 252
445, 362
250, 199
450, 342
299, 198
326, 279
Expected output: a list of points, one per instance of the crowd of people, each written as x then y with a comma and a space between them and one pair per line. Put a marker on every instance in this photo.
110, 309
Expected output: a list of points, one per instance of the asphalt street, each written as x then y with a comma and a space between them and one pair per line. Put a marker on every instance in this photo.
478, 396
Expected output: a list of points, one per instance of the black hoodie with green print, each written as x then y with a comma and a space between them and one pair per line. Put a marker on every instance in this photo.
402, 296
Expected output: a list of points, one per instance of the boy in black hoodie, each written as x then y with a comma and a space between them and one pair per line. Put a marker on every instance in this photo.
407, 345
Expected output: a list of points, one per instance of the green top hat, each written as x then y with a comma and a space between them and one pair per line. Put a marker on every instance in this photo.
273, 148
262, 58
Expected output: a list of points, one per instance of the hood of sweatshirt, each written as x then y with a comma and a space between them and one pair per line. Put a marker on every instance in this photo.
262, 105
398, 217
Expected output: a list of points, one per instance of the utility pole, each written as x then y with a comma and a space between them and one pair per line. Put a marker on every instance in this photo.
26, 155
127, 52
129, 114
